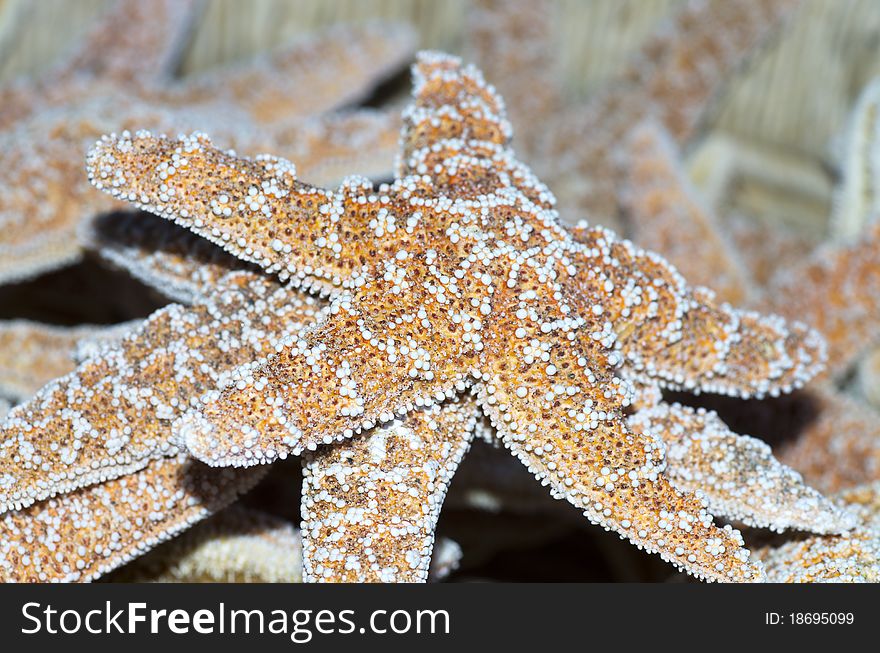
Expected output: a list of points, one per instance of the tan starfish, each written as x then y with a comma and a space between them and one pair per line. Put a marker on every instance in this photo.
113, 81
851, 558
457, 275
834, 289
244, 545
671, 80
236, 545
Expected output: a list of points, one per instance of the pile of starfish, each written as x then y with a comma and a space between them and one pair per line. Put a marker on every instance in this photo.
376, 330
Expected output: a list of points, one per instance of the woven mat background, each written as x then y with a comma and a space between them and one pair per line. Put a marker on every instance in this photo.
794, 97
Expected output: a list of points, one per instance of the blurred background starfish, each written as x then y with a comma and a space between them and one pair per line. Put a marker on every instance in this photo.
110, 81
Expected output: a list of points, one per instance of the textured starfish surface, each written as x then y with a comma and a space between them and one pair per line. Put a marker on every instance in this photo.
455, 291
242, 545
656, 192
32, 354
236, 545
112, 81
852, 558
631, 160
834, 289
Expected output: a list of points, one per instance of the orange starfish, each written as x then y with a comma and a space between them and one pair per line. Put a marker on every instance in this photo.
454, 281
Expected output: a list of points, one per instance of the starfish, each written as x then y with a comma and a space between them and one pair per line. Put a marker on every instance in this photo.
672, 80
834, 289
235, 545
112, 78
852, 558
244, 545
456, 291
630, 156
32, 354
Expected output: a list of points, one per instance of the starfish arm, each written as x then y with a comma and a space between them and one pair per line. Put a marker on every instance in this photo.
330, 147
253, 208
455, 135
242, 545
370, 505
134, 43
665, 214
323, 72
84, 534
32, 354
47, 200
513, 44
683, 67
738, 474
43, 201
851, 558
237, 545
399, 341
186, 267
176, 262
113, 413
836, 291
848, 559
767, 251
673, 78
561, 415
679, 337
840, 446
451, 102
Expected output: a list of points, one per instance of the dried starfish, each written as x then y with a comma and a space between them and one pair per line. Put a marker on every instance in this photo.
835, 290
32, 354
46, 197
660, 198
840, 447
244, 545
672, 79
457, 276
235, 545
853, 558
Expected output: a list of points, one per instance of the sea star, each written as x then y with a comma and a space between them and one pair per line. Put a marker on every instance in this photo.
851, 558
112, 78
241, 544
628, 168
32, 354
835, 290
455, 277
672, 80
